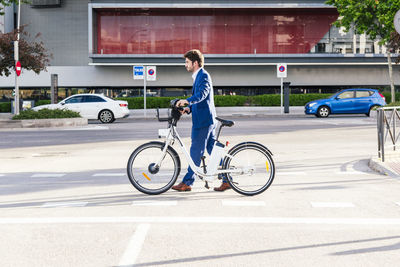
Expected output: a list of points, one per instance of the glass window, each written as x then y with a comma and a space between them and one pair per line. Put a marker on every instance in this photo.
363, 93
347, 94
75, 99
93, 98
213, 31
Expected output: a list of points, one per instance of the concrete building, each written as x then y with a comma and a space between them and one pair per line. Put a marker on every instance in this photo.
95, 44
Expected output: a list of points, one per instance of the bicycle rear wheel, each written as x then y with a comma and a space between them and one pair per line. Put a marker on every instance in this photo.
142, 172
257, 165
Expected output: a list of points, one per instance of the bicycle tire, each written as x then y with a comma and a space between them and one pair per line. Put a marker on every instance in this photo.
146, 180
256, 157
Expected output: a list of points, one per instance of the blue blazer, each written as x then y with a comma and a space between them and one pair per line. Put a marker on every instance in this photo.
201, 103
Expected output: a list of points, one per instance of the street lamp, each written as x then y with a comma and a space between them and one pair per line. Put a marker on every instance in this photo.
16, 58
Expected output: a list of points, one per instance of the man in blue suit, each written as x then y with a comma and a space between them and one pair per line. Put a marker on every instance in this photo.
201, 105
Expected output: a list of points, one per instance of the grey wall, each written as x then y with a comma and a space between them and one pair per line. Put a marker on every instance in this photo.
64, 30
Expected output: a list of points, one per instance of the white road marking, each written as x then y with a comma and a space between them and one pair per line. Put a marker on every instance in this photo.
88, 128
398, 203
154, 203
332, 204
290, 173
135, 246
48, 175
63, 204
208, 220
109, 174
242, 203
350, 172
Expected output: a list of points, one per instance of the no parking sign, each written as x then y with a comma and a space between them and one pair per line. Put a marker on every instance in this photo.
151, 73
281, 70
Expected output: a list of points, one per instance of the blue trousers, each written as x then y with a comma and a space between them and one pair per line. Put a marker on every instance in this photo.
202, 139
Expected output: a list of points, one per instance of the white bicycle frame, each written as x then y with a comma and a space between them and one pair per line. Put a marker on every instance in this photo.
173, 135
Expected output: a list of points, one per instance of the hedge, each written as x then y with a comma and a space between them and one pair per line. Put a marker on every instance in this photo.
220, 101
46, 114
5, 107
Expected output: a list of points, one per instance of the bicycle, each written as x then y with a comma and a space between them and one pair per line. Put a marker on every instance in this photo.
154, 167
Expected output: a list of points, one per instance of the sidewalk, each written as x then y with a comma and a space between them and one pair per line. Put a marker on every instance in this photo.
390, 167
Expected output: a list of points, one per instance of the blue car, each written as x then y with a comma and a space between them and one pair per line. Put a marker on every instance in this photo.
348, 101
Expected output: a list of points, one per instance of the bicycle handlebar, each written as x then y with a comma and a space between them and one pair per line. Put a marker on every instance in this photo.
175, 114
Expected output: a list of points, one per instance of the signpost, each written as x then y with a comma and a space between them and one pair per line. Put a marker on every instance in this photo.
148, 73
281, 71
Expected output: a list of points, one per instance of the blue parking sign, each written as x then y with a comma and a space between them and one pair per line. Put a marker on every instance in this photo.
138, 72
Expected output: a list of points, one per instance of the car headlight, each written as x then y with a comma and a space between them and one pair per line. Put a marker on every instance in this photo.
312, 104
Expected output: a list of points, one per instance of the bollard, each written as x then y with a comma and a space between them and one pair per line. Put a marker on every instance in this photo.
286, 93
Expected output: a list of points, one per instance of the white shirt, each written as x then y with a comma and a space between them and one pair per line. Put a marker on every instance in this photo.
194, 75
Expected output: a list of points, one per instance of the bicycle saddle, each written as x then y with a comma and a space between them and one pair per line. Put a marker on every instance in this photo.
225, 122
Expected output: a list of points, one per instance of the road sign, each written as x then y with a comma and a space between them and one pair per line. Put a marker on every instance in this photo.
281, 70
151, 73
18, 68
138, 72
397, 21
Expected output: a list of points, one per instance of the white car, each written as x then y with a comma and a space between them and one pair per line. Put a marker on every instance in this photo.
92, 106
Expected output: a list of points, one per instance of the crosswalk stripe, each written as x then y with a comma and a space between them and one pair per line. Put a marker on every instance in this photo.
109, 174
48, 175
63, 204
135, 246
242, 203
154, 203
332, 205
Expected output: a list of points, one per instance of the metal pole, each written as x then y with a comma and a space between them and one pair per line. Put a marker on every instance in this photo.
281, 95
144, 91
16, 58
381, 118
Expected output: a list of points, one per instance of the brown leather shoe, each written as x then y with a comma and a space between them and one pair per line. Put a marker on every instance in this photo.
223, 187
182, 187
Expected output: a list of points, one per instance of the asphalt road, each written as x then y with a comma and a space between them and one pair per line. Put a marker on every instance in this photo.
72, 205
140, 129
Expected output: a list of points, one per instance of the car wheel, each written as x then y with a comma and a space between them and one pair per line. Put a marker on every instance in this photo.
371, 108
323, 112
106, 116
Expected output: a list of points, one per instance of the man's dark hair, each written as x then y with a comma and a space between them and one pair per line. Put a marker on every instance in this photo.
195, 55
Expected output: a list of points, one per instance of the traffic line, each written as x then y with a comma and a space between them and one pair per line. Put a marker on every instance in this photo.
48, 175
63, 204
235, 203
204, 220
109, 174
290, 173
135, 246
332, 205
350, 172
155, 203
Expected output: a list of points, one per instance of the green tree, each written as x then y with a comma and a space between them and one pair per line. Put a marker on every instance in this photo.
372, 17
4, 3
32, 53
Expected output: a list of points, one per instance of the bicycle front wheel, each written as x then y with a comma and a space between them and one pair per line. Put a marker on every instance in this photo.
143, 173
252, 167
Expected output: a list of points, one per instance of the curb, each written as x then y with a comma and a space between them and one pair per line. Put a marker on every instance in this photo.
377, 165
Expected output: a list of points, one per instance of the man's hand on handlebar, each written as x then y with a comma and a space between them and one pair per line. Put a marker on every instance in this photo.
182, 103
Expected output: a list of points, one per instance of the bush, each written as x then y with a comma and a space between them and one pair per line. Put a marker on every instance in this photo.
230, 100
151, 102
5, 107
388, 96
46, 114
42, 102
